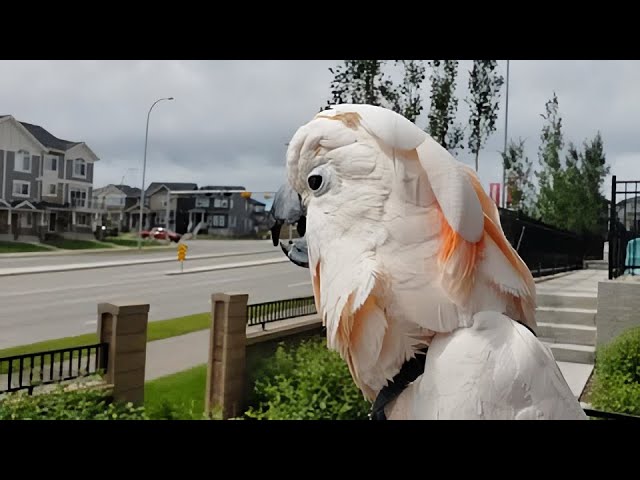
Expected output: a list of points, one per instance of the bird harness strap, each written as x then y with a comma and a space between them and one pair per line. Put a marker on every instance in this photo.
411, 369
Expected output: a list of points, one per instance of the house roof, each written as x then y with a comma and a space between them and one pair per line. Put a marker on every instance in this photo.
253, 201
154, 186
47, 139
129, 191
222, 187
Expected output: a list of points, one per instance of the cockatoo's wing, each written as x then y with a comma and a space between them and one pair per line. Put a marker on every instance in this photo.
494, 370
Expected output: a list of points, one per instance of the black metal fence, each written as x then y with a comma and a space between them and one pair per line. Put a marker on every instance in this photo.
263, 313
624, 228
546, 249
30, 370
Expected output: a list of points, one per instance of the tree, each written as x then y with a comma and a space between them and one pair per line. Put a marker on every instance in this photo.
582, 203
550, 177
364, 81
406, 97
444, 105
518, 169
484, 93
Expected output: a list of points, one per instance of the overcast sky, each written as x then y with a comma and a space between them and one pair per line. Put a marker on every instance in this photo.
230, 120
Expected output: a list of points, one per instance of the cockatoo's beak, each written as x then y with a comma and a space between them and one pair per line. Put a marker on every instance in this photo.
288, 209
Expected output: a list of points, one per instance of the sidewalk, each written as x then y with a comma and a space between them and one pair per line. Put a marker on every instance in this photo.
119, 263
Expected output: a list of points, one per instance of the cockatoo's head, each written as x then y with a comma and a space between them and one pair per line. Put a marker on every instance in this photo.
392, 228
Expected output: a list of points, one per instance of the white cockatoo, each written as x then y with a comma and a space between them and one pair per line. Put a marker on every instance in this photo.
406, 251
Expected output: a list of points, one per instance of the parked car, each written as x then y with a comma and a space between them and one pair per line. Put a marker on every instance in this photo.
161, 233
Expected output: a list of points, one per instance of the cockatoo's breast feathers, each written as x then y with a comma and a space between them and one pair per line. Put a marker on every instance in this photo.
389, 127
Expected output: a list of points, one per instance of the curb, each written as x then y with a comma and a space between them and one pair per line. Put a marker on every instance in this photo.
90, 266
60, 252
229, 266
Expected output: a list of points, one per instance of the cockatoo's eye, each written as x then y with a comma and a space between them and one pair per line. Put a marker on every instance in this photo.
315, 182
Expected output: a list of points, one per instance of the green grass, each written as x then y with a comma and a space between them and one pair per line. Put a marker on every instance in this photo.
179, 396
67, 244
15, 247
155, 331
132, 242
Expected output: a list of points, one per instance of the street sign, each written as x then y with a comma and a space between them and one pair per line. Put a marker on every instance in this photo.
182, 253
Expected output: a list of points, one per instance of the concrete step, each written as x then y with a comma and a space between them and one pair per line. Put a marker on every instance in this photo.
568, 333
567, 352
597, 264
560, 315
567, 301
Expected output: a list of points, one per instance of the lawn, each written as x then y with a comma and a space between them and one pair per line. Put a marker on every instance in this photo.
179, 396
155, 331
67, 244
16, 247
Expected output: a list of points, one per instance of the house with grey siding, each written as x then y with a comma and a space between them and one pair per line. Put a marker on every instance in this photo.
45, 183
226, 213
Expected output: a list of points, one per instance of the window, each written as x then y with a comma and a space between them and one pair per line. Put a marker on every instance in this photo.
78, 198
221, 203
82, 219
202, 202
23, 161
218, 221
26, 219
79, 168
52, 190
21, 189
51, 164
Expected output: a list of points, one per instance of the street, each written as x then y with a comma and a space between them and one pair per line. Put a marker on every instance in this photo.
43, 306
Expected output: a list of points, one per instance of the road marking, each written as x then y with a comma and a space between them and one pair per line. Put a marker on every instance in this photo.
300, 284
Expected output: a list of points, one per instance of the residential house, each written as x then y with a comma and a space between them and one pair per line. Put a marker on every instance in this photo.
155, 207
45, 183
115, 200
227, 213
629, 214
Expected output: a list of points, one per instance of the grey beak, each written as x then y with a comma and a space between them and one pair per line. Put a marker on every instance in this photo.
288, 209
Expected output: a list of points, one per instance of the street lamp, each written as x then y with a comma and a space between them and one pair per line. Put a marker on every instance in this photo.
144, 168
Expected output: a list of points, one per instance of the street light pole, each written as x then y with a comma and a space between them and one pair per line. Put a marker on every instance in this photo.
144, 168
506, 122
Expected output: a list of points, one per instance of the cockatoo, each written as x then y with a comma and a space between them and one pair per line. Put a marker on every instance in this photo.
406, 251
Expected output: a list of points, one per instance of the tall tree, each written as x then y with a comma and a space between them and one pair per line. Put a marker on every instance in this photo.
484, 95
407, 99
444, 105
518, 170
362, 81
550, 176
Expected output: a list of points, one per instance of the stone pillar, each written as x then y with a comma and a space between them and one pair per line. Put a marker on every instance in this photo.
226, 371
124, 328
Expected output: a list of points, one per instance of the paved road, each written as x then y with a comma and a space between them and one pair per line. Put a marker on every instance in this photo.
196, 247
51, 305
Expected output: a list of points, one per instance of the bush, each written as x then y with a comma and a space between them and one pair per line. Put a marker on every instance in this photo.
306, 382
67, 404
616, 385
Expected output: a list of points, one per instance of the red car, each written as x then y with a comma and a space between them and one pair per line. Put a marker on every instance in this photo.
161, 233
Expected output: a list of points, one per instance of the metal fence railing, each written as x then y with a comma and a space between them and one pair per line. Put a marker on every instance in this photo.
263, 313
624, 228
31, 370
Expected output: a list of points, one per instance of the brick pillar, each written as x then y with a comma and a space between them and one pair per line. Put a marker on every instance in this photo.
226, 367
124, 328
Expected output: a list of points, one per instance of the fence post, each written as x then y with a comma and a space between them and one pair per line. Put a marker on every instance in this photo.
225, 389
124, 328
